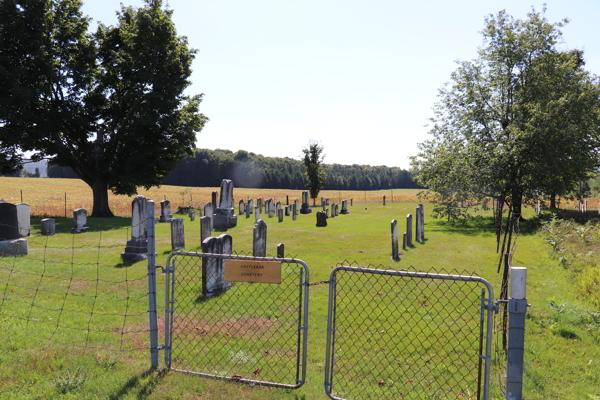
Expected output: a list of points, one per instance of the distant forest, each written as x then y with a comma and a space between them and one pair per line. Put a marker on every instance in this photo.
207, 168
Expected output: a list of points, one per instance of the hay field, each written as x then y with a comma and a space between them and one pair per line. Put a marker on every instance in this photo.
54, 197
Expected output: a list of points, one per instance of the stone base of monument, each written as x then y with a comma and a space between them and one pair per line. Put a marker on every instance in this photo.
136, 250
344, 212
80, 230
305, 209
165, 218
15, 247
223, 221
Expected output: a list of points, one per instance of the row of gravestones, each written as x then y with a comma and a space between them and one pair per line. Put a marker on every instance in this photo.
322, 216
408, 235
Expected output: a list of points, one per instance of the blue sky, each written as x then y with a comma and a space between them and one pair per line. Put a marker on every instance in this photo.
359, 76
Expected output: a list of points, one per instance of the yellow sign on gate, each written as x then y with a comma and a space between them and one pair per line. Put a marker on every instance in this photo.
253, 271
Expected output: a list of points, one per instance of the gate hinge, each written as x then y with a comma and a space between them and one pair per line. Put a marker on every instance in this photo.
168, 270
164, 347
517, 306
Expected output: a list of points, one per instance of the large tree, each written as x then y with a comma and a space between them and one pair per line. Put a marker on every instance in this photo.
520, 121
109, 104
314, 175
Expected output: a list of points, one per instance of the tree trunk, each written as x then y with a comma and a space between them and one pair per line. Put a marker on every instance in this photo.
517, 199
553, 200
100, 191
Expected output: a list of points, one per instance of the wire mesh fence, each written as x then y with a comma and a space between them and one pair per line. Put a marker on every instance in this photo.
74, 291
247, 332
406, 335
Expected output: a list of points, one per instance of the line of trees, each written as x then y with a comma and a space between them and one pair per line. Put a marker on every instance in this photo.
248, 170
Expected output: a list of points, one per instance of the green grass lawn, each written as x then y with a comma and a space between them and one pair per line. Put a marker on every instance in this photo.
76, 342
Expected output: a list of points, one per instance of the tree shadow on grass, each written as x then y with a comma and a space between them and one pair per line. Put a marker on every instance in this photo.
481, 226
144, 384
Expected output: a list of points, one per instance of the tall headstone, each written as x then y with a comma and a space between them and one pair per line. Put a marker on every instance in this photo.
422, 222
165, 211
404, 240
177, 234
337, 209
48, 227
213, 269
242, 207
287, 210
205, 228
269, 209
280, 215
277, 208
409, 242
137, 247
305, 206
247, 209
224, 216
294, 212
321, 219
344, 207
259, 239
418, 224
257, 213
332, 210
214, 200
24, 219
80, 221
395, 251
209, 211
280, 250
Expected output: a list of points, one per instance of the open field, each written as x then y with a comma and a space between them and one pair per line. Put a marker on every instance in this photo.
46, 196
82, 283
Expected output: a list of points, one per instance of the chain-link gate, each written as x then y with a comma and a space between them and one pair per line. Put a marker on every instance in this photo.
247, 332
407, 335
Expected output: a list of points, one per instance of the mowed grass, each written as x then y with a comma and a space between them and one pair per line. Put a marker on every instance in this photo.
110, 359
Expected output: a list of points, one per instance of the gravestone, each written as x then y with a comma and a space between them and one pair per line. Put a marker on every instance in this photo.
137, 247
280, 215
249, 205
395, 252
344, 207
409, 242
418, 224
242, 207
11, 243
404, 239
48, 227
80, 221
269, 209
205, 228
422, 222
294, 212
24, 219
332, 210
209, 211
280, 250
256, 213
214, 200
337, 209
259, 239
287, 211
165, 211
192, 215
321, 219
277, 208
224, 217
177, 234
213, 269
305, 207
248, 209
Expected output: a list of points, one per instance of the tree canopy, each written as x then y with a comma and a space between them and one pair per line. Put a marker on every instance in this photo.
519, 122
110, 104
314, 175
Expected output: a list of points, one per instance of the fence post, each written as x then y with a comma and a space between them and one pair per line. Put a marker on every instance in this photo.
152, 319
517, 308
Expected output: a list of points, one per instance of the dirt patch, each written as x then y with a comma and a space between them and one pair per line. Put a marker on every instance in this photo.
232, 327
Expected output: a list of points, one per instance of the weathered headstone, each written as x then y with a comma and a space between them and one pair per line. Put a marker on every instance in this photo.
269, 209
409, 242
305, 206
280, 250
213, 269
177, 234
321, 219
280, 215
422, 222
250, 206
242, 207
79, 221
418, 224
214, 200
332, 210
248, 209
404, 239
395, 251
11, 243
344, 207
287, 210
48, 227
165, 211
337, 209
24, 219
224, 217
205, 228
277, 208
256, 213
209, 211
259, 239
294, 212
192, 215
137, 247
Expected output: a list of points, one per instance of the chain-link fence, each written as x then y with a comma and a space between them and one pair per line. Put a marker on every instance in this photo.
407, 335
247, 332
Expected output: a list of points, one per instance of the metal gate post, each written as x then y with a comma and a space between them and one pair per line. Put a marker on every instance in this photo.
517, 307
152, 319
